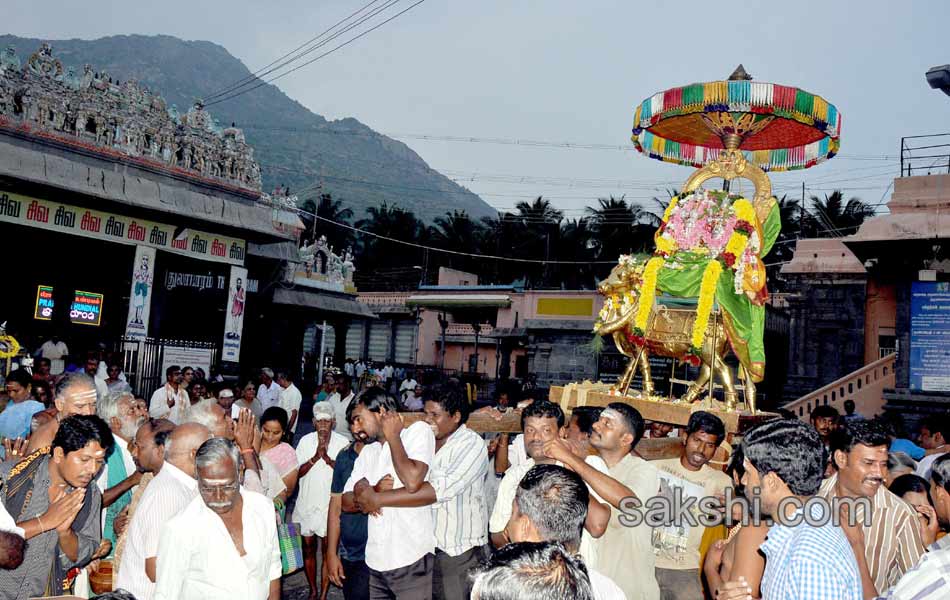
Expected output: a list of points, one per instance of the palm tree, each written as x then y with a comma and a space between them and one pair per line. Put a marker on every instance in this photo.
540, 226
457, 231
835, 218
655, 216
501, 237
577, 243
384, 264
539, 211
621, 228
330, 211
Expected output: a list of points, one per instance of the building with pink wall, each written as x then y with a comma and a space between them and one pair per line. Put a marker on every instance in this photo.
543, 332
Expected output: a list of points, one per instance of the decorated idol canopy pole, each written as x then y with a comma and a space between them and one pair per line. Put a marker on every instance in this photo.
703, 291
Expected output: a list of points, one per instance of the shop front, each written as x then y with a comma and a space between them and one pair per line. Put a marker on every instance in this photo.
102, 280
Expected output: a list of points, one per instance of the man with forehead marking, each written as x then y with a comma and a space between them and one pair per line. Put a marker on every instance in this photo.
223, 545
172, 489
75, 395
624, 554
52, 495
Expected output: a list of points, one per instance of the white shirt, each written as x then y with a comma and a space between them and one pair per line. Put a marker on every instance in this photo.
123, 447
603, 587
506, 495
53, 351
289, 399
348, 369
103, 372
517, 453
269, 396
313, 498
103, 481
458, 477
102, 388
409, 384
399, 536
197, 559
158, 405
339, 412
508, 489
926, 464
167, 495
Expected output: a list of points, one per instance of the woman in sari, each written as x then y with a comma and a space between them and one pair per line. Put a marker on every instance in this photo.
278, 452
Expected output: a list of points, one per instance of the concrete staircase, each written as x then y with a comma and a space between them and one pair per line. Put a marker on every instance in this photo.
865, 387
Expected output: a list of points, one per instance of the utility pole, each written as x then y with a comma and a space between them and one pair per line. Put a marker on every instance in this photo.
801, 215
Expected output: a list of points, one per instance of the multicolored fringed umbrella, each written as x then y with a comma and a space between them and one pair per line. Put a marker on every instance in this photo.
777, 127
710, 245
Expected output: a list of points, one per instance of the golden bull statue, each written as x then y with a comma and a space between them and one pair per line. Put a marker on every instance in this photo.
667, 334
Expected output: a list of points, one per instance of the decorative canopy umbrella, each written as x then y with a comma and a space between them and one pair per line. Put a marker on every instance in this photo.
710, 245
737, 127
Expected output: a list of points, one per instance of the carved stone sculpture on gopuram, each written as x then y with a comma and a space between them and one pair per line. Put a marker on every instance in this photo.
91, 109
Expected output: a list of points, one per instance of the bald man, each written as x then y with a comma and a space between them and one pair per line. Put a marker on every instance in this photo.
75, 395
168, 493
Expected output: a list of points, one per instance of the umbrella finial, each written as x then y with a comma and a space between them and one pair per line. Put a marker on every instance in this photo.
740, 74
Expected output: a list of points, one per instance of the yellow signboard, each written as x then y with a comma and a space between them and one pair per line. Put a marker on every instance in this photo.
73, 220
566, 307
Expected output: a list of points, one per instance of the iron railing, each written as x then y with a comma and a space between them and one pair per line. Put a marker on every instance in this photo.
925, 154
142, 360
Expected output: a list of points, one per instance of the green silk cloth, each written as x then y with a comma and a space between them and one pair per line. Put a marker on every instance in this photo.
682, 276
115, 475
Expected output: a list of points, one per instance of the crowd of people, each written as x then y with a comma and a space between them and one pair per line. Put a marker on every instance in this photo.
207, 491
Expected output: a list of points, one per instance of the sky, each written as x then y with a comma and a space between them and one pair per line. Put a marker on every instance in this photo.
570, 72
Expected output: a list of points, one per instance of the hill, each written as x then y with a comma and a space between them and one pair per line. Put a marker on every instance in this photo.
295, 146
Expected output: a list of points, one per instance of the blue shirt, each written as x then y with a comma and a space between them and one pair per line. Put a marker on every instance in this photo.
809, 563
15, 419
907, 447
352, 545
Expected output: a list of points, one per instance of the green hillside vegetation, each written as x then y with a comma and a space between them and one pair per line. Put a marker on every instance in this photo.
295, 146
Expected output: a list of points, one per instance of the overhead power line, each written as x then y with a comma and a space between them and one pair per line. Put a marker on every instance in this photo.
266, 68
505, 141
454, 252
318, 57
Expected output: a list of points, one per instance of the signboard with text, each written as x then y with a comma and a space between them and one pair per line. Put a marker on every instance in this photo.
86, 308
44, 303
930, 336
183, 356
111, 227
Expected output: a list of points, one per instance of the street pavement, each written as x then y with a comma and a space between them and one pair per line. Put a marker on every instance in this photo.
295, 588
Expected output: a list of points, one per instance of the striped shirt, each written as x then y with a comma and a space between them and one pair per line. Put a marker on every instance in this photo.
892, 543
809, 563
166, 496
930, 579
458, 477
133, 506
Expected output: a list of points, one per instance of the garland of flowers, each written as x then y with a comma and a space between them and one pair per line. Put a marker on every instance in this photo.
741, 230
645, 302
707, 295
12, 346
704, 224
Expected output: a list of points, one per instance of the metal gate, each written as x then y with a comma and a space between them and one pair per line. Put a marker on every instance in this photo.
405, 345
379, 336
142, 361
